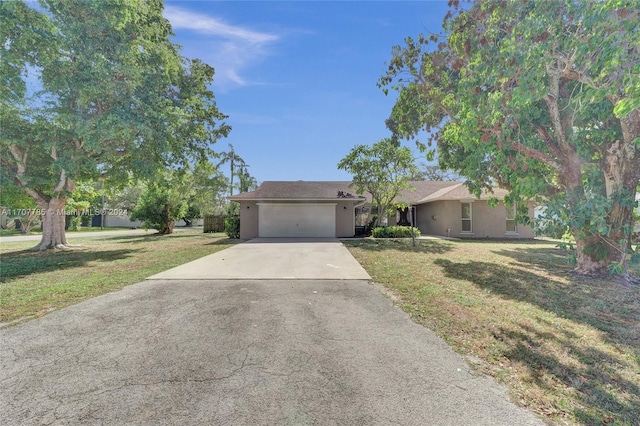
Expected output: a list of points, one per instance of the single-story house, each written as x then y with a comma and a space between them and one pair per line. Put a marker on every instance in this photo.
330, 209
298, 209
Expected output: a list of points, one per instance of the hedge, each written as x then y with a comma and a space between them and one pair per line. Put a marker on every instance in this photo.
395, 232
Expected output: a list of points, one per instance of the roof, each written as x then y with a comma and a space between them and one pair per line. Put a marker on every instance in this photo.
300, 190
460, 192
421, 192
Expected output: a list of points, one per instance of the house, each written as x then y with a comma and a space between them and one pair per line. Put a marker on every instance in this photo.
298, 209
330, 209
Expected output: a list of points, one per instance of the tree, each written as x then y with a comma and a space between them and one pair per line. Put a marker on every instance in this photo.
541, 98
209, 187
234, 160
116, 99
383, 170
246, 182
164, 199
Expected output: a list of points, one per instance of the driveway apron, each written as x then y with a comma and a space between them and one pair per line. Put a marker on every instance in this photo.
231, 349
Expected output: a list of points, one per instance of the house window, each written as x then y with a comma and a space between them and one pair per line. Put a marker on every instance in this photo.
512, 226
466, 217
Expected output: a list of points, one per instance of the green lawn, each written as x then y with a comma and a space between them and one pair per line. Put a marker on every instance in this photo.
34, 283
568, 348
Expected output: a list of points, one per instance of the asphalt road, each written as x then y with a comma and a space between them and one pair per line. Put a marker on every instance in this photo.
73, 235
241, 352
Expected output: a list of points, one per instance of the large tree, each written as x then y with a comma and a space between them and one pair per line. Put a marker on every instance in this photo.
113, 98
383, 170
539, 97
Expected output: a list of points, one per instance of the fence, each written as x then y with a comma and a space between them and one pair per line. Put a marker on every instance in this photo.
213, 223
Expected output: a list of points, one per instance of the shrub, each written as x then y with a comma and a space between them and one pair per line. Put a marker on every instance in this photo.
395, 232
369, 228
75, 224
232, 226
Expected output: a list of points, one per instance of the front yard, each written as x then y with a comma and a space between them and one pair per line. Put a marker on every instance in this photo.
567, 348
34, 283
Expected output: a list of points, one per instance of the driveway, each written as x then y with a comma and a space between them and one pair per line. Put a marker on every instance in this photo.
274, 258
242, 352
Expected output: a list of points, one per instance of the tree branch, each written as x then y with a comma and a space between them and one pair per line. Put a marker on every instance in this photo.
551, 99
537, 155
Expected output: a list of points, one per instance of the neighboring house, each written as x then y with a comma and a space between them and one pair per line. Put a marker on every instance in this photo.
330, 208
123, 221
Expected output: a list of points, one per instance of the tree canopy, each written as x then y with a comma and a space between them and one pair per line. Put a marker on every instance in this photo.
383, 170
113, 98
541, 98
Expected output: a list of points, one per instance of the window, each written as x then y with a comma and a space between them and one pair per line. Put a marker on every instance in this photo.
512, 227
466, 217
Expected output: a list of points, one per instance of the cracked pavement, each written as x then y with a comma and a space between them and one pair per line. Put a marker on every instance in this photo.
235, 352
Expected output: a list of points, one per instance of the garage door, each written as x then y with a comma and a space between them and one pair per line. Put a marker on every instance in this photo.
296, 220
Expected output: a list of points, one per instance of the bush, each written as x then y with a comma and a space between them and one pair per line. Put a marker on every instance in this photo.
75, 224
232, 226
369, 228
395, 232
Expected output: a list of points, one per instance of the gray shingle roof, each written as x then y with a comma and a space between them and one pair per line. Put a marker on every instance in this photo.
421, 192
298, 190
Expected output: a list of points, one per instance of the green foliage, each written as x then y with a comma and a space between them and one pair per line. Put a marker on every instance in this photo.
395, 232
209, 188
163, 201
20, 206
116, 98
232, 226
75, 223
383, 170
15, 198
237, 168
540, 98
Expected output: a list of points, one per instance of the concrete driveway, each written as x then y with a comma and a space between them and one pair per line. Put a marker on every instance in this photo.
241, 352
274, 258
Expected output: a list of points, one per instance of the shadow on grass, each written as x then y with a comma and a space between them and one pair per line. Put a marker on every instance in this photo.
553, 260
26, 262
154, 237
225, 241
422, 246
610, 308
596, 384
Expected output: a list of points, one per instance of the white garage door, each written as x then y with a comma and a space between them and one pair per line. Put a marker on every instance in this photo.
296, 220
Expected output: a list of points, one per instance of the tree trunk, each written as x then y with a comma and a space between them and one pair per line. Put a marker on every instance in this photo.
587, 262
167, 223
53, 221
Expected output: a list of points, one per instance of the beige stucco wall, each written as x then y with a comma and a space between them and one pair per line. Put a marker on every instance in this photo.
345, 219
487, 221
248, 220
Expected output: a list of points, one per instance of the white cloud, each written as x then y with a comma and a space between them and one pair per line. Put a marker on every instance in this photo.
230, 49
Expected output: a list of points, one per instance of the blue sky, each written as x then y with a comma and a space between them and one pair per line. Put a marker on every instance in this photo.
298, 79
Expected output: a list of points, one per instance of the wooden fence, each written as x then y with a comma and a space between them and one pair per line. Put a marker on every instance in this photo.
213, 223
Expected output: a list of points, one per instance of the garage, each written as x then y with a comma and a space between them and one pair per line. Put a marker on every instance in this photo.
296, 220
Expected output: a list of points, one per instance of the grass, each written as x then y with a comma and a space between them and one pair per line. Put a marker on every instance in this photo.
35, 283
567, 347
